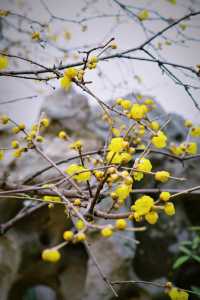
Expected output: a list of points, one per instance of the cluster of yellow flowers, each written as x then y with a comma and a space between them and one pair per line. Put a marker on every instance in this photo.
29, 137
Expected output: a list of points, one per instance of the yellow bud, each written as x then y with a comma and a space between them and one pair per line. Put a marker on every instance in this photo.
68, 235
120, 224
107, 232
4, 119
80, 237
51, 255
15, 144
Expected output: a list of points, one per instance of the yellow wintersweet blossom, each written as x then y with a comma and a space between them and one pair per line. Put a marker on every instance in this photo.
195, 131
65, 83
177, 150
71, 73
80, 224
117, 144
164, 196
84, 174
143, 15
177, 294
154, 125
118, 158
4, 13
143, 165
3, 62
191, 148
159, 140
76, 145
143, 205
107, 232
1, 154
162, 176
120, 224
51, 255
116, 132
123, 191
151, 217
138, 111
169, 209
36, 36
124, 103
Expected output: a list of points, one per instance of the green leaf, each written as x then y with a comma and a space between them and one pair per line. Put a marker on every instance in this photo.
197, 258
196, 290
195, 243
185, 250
180, 261
186, 243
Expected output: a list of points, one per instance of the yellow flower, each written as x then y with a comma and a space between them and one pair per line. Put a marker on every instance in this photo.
15, 144
4, 119
107, 232
123, 191
45, 122
151, 217
126, 104
80, 224
93, 59
117, 144
125, 157
159, 140
68, 235
62, 135
195, 132
80, 237
65, 83
39, 139
35, 36
51, 255
17, 153
118, 158
1, 154
113, 45
143, 15
3, 62
164, 196
154, 125
191, 148
83, 176
143, 165
4, 13
148, 102
169, 209
116, 132
188, 123
177, 150
143, 205
80, 74
120, 224
50, 198
162, 176
71, 73
138, 111
77, 202
76, 145
176, 294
